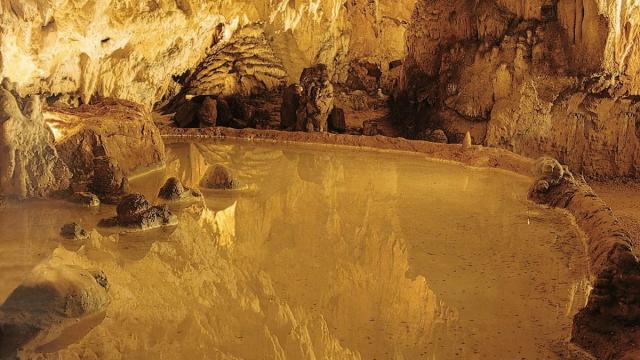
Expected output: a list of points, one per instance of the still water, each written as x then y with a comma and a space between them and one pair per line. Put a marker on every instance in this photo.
326, 254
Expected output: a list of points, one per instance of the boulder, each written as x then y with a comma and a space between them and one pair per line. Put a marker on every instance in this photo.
86, 199
174, 190
51, 298
134, 211
337, 122
74, 231
30, 165
316, 101
370, 128
218, 177
290, 103
364, 75
117, 129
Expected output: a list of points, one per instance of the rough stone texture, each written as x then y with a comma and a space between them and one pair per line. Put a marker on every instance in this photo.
218, 177
316, 101
86, 199
131, 49
174, 190
52, 297
117, 129
30, 166
608, 325
207, 115
370, 128
134, 211
244, 65
107, 180
74, 231
539, 87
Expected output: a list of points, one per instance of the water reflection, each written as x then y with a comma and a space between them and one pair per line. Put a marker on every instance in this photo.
339, 255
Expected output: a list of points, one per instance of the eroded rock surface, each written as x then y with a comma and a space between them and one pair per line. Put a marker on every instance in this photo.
30, 166
134, 211
608, 325
120, 130
52, 297
174, 190
218, 177
316, 101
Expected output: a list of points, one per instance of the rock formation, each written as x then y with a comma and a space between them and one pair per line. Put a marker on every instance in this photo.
137, 51
316, 101
173, 190
134, 211
29, 163
291, 97
607, 326
53, 296
117, 129
218, 177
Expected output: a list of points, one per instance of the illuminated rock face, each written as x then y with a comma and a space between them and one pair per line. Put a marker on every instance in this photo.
131, 49
29, 163
536, 77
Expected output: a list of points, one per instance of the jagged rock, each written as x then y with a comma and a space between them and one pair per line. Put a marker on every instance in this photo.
51, 298
337, 122
548, 172
316, 101
74, 231
218, 177
364, 75
134, 211
370, 128
173, 190
120, 130
108, 181
30, 166
290, 104
437, 136
86, 199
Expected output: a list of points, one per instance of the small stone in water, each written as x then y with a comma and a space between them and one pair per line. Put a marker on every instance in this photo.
74, 231
86, 199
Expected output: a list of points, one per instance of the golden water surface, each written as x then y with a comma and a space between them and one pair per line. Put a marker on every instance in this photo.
327, 254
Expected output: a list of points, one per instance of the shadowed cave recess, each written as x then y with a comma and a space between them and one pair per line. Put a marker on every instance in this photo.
319, 179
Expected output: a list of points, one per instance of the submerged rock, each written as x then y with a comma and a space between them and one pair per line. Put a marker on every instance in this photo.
174, 190
86, 199
52, 297
74, 231
134, 211
218, 177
